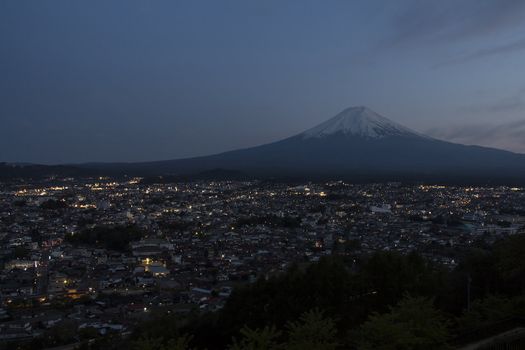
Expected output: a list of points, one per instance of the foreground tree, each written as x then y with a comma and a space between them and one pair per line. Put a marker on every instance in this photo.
412, 324
179, 343
511, 263
257, 339
490, 310
312, 331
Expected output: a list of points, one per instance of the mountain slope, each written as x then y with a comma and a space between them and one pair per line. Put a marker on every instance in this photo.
356, 143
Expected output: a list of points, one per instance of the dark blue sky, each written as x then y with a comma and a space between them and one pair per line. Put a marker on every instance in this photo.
146, 80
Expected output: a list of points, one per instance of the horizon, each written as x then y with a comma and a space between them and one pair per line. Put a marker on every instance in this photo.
130, 81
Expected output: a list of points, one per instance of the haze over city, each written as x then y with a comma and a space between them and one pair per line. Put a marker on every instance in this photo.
137, 81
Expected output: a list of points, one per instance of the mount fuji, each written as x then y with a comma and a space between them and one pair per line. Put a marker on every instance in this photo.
356, 144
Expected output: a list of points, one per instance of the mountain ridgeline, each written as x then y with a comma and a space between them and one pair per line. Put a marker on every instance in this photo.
357, 144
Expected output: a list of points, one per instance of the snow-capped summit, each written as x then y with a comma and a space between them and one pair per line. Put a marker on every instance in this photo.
359, 121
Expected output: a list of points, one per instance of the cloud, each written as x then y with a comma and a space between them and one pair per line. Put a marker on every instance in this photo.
477, 22
514, 103
426, 22
511, 47
510, 104
509, 136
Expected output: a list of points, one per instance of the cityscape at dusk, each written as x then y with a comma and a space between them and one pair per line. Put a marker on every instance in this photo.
262, 175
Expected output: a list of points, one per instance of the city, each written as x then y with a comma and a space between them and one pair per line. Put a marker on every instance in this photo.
102, 254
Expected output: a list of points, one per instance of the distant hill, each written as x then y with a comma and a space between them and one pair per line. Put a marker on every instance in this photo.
10, 171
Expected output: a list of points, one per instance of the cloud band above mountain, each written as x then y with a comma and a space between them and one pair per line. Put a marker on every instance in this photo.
509, 136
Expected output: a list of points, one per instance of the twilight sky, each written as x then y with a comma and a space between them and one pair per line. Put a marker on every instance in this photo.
108, 80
